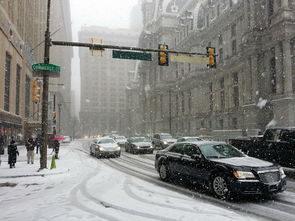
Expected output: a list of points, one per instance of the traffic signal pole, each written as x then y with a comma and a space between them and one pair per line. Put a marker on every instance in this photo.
43, 151
102, 47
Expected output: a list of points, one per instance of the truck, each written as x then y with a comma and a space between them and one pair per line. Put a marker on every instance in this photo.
276, 145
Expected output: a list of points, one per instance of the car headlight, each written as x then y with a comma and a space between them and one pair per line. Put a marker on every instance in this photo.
118, 148
101, 148
165, 142
282, 172
137, 147
243, 174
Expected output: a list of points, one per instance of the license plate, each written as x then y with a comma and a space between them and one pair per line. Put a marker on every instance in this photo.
273, 188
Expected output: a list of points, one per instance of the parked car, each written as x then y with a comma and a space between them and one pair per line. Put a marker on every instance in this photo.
67, 139
139, 145
104, 147
162, 140
276, 145
189, 139
220, 166
121, 140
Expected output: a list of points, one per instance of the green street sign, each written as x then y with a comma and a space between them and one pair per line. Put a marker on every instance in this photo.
132, 55
46, 67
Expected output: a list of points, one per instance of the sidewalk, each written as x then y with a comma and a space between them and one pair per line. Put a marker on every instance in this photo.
23, 169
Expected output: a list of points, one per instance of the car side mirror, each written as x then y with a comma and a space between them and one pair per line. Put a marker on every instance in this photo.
197, 157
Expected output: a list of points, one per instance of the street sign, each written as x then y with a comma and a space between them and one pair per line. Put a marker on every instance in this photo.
45, 67
132, 55
189, 59
52, 70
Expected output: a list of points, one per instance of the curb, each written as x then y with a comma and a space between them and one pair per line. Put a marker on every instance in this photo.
35, 175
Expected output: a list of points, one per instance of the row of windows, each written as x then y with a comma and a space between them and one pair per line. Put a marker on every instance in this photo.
7, 87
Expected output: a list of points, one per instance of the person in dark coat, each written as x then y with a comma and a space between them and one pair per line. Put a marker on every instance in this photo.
1, 145
56, 148
12, 152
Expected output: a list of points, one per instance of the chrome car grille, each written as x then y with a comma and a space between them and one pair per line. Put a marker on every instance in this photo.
269, 176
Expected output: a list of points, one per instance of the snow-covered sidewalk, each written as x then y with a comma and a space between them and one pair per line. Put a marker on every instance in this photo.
92, 191
23, 169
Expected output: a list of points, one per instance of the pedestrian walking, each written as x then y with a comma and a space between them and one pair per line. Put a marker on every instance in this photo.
30, 145
1, 147
38, 144
56, 148
12, 152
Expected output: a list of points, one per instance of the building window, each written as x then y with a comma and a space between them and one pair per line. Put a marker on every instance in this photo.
7, 81
235, 78
236, 96
233, 30
177, 105
221, 124
221, 82
222, 103
234, 47
182, 102
220, 39
234, 123
273, 75
270, 7
218, 10
189, 101
27, 96
220, 55
17, 92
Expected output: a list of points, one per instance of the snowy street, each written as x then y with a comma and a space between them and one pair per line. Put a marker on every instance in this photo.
128, 188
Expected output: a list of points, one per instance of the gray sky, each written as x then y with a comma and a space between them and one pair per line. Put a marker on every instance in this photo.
108, 13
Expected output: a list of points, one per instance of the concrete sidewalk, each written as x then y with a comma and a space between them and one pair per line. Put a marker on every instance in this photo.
23, 169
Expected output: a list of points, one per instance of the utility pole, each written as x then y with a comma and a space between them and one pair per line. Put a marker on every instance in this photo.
43, 152
59, 118
170, 116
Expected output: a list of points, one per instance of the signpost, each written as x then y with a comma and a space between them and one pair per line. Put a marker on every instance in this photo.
51, 69
132, 55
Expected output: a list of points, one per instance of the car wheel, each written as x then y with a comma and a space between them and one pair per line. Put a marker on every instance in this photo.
220, 187
164, 172
91, 153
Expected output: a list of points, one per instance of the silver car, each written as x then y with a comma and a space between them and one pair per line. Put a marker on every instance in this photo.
104, 147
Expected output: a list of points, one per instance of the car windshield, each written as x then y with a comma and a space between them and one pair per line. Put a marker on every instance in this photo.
220, 151
139, 139
103, 141
166, 136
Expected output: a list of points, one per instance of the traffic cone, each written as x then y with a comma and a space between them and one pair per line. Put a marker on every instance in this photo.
53, 165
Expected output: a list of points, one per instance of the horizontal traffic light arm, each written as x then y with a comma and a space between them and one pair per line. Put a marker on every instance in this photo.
102, 47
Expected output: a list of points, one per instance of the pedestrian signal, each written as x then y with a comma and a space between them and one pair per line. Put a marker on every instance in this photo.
163, 58
212, 57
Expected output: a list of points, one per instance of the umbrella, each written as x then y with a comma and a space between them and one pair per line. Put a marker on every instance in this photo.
58, 138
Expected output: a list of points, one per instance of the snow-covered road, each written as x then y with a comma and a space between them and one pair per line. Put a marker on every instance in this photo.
115, 189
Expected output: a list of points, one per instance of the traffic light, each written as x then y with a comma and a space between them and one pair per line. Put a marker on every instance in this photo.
212, 57
163, 58
36, 91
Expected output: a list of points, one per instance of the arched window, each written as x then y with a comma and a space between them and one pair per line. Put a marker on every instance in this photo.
201, 18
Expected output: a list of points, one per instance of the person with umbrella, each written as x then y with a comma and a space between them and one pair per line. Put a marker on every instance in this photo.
12, 152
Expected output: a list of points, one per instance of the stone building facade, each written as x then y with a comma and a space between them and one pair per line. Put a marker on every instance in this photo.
22, 28
103, 81
253, 85
21, 32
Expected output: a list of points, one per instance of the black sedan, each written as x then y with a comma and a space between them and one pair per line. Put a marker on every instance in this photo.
139, 145
221, 167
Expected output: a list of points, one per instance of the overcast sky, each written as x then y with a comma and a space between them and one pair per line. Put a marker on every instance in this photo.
108, 13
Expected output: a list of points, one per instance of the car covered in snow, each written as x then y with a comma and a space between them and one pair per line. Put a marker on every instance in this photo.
221, 167
139, 145
67, 139
121, 140
189, 139
105, 146
162, 140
